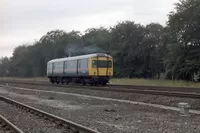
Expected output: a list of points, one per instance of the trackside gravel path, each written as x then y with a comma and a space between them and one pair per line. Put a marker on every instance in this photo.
107, 116
146, 98
26, 121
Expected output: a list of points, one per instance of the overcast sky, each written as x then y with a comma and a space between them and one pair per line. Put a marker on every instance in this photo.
23, 21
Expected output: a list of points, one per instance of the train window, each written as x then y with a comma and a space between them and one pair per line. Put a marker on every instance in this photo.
53, 66
49, 68
58, 65
79, 63
71, 64
66, 64
84, 63
94, 63
101, 63
61, 64
74, 64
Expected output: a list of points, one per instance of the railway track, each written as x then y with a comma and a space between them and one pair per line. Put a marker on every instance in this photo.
68, 125
154, 90
7, 126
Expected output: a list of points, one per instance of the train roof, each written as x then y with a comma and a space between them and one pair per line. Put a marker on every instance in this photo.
81, 57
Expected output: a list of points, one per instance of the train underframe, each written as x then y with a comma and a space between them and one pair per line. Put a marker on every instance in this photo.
92, 80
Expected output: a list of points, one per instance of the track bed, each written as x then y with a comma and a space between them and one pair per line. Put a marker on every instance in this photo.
108, 116
26, 121
147, 98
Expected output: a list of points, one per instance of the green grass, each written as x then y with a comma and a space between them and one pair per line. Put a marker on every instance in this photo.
25, 79
143, 82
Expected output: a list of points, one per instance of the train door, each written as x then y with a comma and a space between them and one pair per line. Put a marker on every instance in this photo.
64, 68
53, 67
78, 67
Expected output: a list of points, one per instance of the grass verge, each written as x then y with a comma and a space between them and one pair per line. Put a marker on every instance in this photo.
146, 82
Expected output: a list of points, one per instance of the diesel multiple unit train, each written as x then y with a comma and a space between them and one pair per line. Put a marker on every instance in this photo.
93, 69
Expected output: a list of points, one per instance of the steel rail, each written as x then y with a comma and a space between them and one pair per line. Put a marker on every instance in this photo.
161, 88
76, 128
143, 87
11, 127
166, 91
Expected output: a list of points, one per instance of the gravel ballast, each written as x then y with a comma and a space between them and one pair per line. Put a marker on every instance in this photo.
107, 116
28, 122
147, 98
2, 130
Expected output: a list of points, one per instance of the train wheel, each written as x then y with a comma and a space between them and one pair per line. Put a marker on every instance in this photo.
62, 81
52, 81
103, 83
83, 82
95, 83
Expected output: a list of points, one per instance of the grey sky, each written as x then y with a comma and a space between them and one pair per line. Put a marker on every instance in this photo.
23, 21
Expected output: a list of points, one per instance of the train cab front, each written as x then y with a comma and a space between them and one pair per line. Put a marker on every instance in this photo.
101, 69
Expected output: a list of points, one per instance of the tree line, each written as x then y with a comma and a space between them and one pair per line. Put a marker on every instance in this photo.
139, 51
